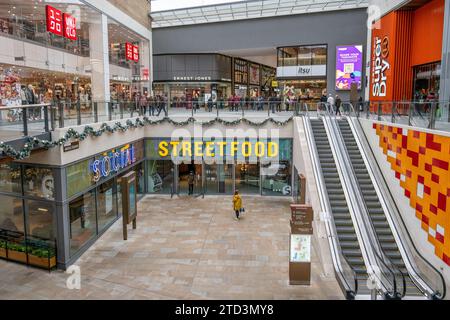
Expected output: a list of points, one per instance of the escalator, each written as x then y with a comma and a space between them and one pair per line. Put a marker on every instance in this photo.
375, 209
346, 233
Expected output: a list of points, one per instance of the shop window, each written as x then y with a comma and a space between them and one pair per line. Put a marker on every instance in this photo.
11, 214
277, 179
39, 182
160, 176
288, 57
106, 204
319, 55
304, 56
79, 178
427, 82
10, 178
240, 71
83, 223
40, 223
248, 178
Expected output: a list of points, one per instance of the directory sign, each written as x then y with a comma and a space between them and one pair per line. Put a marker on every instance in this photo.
349, 64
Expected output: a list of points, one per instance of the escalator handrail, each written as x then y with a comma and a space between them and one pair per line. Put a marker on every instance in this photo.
327, 210
374, 239
405, 229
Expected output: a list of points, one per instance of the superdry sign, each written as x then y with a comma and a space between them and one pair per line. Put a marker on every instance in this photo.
380, 67
63, 25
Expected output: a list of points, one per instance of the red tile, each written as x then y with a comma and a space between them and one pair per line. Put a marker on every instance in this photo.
374, 126
439, 237
422, 150
448, 192
433, 209
440, 164
399, 150
399, 130
435, 178
408, 173
414, 157
428, 167
446, 259
404, 142
398, 162
394, 136
431, 144
408, 194
416, 134
385, 139
420, 209
397, 175
442, 202
421, 179
389, 146
427, 190
390, 129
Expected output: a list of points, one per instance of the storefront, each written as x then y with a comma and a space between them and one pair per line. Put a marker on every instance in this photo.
416, 76
302, 72
58, 51
241, 77
190, 79
254, 167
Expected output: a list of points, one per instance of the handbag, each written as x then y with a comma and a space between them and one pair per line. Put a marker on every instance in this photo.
242, 210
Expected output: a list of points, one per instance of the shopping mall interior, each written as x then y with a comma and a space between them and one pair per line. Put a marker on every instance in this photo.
226, 150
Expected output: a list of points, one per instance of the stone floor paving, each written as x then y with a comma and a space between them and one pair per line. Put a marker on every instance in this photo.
183, 249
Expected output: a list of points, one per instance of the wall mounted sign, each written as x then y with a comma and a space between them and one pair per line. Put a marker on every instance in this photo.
196, 78
349, 63
63, 25
380, 67
302, 71
112, 162
132, 52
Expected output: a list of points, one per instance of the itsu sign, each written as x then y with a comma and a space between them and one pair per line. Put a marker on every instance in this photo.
63, 25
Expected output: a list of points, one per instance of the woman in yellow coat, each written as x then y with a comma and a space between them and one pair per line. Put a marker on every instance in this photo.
237, 204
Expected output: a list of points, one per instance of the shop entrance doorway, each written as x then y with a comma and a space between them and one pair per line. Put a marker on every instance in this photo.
190, 179
219, 179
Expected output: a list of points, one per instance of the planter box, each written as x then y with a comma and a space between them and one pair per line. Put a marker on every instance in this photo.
42, 262
17, 256
2, 253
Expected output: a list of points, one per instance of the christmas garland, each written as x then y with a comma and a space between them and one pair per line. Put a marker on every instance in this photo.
32, 143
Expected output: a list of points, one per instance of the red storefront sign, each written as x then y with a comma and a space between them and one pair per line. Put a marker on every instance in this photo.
132, 52
135, 53
70, 26
129, 51
54, 20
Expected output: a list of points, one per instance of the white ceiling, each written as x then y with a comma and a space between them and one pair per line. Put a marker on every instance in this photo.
251, 9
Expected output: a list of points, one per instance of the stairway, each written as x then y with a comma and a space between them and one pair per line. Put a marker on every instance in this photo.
376, 212
341, 213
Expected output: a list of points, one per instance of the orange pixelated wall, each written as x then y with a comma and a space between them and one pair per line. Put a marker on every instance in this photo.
421, 164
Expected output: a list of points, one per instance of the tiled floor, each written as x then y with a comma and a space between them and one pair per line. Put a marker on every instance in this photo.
183, 249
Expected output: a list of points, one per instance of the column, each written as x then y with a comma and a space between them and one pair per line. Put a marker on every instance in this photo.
445, 71
99, 50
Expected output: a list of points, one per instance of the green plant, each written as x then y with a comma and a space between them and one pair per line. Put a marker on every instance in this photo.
17, 247
42, 253
2, 244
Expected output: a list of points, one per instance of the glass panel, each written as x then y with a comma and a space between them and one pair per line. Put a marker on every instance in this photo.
79, 178
10, 178
289, 56
319, 55
225, 176
304, 56
106, 204
83, 224
278, 180
248, 178
11, 214
211, 179
39, 182
160, 176
40, 223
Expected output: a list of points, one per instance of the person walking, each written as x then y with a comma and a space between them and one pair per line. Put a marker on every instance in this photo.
237, 204
191, 180
331, 103
338, 105
210, 104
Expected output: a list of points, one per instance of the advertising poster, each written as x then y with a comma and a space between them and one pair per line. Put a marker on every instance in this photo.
300, 248
349, 64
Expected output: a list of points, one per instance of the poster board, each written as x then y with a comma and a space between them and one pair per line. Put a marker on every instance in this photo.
129, 201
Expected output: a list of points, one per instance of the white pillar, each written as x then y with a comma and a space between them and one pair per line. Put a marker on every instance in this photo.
99, 50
